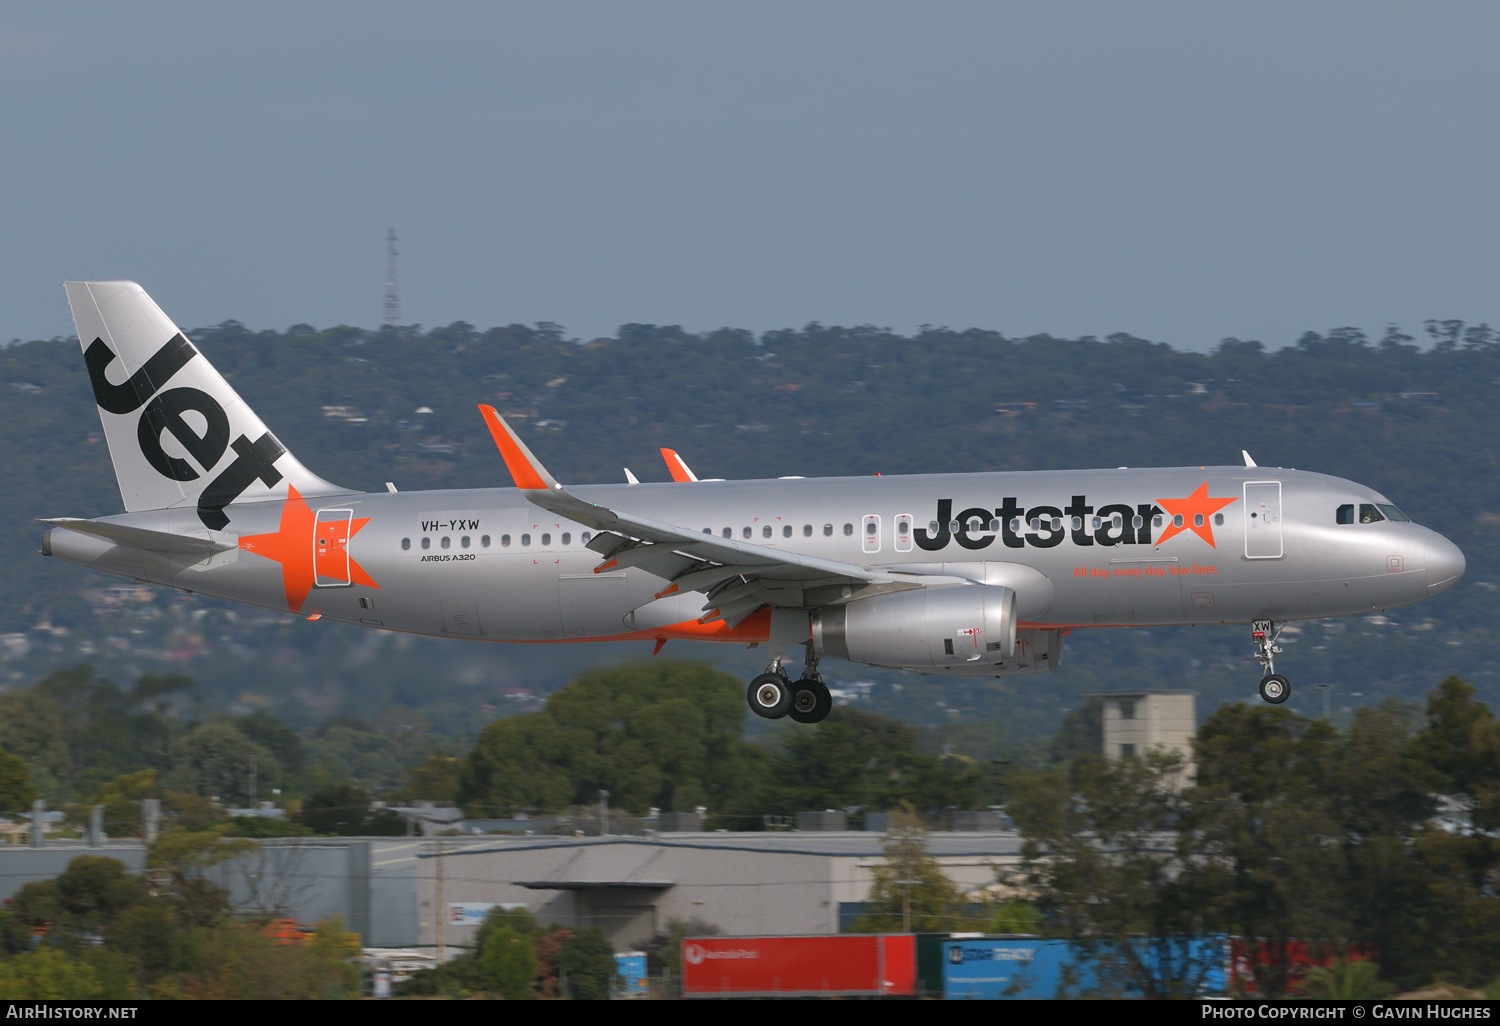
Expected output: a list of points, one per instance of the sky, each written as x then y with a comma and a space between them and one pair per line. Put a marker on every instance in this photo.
1179, 171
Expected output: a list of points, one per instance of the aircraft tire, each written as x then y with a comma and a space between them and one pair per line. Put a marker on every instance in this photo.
769, 696
1275, 689
811, 701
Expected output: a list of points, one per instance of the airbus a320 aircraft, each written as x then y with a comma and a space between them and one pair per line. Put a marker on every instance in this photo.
974, 575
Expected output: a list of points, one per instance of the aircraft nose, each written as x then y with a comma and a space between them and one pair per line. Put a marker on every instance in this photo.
1445, 564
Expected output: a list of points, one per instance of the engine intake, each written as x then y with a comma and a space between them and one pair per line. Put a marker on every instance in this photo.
930, 627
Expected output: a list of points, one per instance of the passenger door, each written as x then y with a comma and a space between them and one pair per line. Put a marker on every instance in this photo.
1263, 520
330, 547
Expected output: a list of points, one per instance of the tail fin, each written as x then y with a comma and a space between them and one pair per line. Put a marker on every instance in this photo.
193, 443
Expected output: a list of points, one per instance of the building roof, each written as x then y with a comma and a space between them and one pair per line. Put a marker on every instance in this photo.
849, 844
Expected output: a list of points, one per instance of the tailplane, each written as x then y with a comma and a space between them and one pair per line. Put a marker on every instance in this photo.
177, 433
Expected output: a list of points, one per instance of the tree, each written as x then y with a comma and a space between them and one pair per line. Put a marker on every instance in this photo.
1120, 871
185, 857
508, 960
858, 758
217, 760
344, 810
1266, 800
909, 892
1460, 746
586, 964
1347, 979
662, 734
50, 974
16, 791
436, 779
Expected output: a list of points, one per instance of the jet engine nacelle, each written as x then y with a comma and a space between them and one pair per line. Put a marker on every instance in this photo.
931, 627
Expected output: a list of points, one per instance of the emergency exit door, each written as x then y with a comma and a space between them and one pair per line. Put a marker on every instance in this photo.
1263, 520
331, 547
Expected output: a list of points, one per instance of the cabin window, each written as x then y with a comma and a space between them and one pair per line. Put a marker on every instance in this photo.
827, 530
1034, 524
1218, 520
1098, 523
463, 542
765, 532
405, 544
994, 525
446, 541
807, 530
584, 537
1197, 519
1057, 523
729, 532
1015, 524
745, 533
871, 528
1138, 522
484, 541
1368, 514
567, 539
933, 528
786, 531
426, 543
1177, 520
1156, 520
525, 539
848, 530
546, 539
902, 526
1078, 523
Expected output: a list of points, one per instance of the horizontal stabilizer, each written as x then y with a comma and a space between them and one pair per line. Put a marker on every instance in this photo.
148, 540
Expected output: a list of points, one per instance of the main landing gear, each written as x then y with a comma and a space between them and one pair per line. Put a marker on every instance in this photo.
772, 695
1274, 688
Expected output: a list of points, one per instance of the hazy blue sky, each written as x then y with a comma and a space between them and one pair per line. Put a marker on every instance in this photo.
1180, 171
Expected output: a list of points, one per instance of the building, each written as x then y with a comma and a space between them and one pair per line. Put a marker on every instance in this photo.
1138, 721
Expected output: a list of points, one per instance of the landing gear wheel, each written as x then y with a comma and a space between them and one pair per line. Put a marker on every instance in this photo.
811, 701
770, 696
1274, 688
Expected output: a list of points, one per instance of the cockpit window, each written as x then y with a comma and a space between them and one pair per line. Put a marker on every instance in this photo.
1346, 513
1368, 514
1392, 513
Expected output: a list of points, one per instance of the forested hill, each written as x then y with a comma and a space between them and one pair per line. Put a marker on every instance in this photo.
1419, 422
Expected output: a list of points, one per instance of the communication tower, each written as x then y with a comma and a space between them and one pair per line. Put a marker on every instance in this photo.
390, 315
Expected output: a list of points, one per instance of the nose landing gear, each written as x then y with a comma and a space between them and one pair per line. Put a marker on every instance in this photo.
772, 695
1274, 688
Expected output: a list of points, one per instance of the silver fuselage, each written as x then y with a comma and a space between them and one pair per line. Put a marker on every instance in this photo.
487, 564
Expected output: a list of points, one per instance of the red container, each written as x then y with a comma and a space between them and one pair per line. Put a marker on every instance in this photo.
844, 965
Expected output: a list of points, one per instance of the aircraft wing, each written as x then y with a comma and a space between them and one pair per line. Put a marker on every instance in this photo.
736, 577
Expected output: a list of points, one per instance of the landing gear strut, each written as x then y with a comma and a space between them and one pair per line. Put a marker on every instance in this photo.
811, 701
1274, 688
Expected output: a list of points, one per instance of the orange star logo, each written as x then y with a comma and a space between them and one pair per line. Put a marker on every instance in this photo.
293, 546
1195, 511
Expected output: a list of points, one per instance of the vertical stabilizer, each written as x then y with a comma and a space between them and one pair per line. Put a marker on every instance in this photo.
177, 433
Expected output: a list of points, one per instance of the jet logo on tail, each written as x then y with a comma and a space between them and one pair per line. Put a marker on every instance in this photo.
164, 412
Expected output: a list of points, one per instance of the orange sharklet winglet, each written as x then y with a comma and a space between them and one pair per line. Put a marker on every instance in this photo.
677, 467
517, 459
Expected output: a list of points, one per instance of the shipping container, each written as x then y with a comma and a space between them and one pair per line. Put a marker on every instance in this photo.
845, 965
